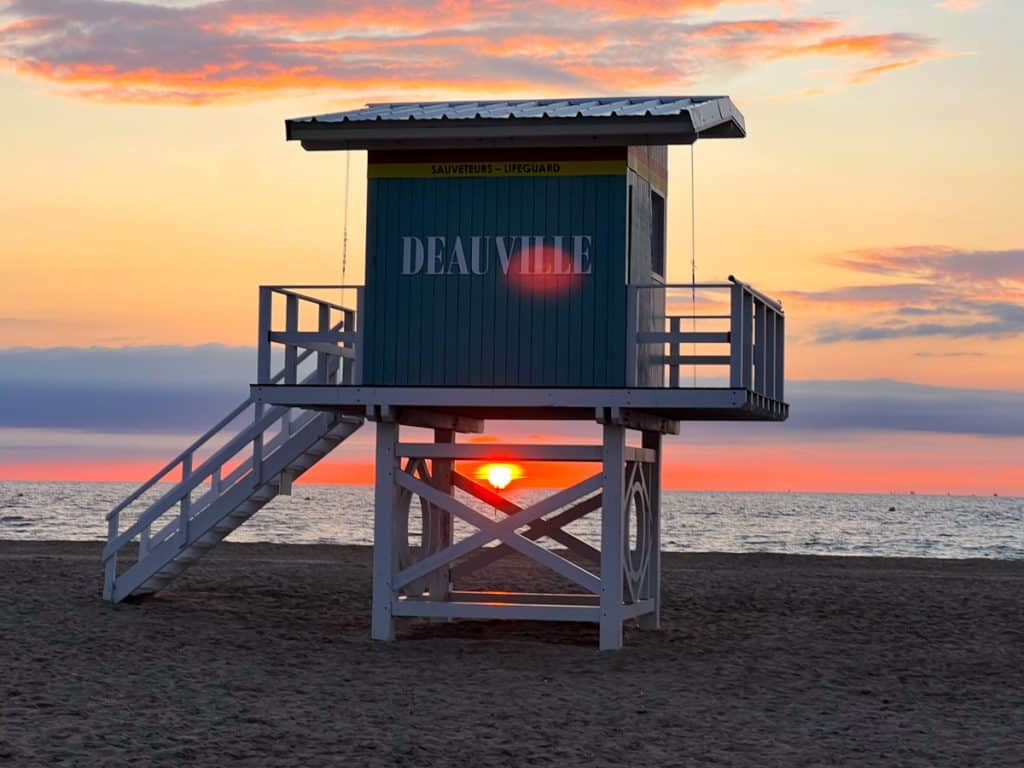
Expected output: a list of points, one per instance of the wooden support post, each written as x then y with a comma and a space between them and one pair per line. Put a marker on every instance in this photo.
612, 531
651, 586
186, 501
383, 623
443, 524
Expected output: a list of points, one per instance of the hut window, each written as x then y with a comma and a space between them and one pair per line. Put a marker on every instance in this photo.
657, 234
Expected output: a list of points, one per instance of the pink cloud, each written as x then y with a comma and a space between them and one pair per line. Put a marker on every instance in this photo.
243, 49
931, 291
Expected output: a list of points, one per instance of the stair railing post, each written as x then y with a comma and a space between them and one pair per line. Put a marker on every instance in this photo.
186, 500
263, 376
110, 571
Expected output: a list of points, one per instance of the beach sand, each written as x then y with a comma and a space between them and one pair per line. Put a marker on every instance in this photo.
261, 656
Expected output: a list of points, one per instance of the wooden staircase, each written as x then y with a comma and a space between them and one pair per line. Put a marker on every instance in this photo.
236, 468
185, 537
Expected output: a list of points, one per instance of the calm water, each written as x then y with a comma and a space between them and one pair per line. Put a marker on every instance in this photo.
802, 523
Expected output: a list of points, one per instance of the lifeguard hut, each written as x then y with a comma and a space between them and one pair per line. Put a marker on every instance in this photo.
515, 270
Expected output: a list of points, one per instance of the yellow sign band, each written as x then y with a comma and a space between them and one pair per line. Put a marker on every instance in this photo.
496, 168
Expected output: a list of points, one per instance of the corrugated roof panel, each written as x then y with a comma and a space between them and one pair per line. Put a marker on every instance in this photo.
522, 108
617, 120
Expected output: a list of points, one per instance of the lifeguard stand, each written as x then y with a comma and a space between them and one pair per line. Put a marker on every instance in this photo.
515, 270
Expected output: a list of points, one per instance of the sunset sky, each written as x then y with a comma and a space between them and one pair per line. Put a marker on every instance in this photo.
148, 190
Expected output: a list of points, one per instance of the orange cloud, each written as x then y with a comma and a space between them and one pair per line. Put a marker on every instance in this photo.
235, 49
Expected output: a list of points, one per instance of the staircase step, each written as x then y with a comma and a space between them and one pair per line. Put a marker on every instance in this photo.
312, 439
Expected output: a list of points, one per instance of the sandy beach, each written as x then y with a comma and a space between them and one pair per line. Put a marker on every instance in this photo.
261, 656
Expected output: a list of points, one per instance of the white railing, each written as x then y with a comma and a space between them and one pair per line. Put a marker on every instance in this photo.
729, 329
310, 323
236, 449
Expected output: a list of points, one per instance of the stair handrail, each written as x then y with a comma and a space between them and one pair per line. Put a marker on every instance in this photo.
201, 440
187, 485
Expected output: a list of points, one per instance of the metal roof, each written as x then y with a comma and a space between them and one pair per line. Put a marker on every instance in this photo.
629, 120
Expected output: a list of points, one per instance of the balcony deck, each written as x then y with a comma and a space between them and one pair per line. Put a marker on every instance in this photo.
732, 354
557, 403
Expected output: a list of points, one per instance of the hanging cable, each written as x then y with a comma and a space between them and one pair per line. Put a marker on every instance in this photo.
693, 257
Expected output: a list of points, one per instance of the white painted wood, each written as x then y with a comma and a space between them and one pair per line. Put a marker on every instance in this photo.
527, 401
612, 533
516, 611
441, 523
415, 417
291, 352
504, 530
641, 609
535, 598
514, 452
382, 623
502, 451
639, 420
218, 518
651, 586
538, 529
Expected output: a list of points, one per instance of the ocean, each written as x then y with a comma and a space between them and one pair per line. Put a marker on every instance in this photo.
789, 523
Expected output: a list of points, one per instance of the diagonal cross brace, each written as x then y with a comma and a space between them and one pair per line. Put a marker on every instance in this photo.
504, 530
538, 529
488, 556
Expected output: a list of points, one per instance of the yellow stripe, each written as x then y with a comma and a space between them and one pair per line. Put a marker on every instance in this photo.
496, 168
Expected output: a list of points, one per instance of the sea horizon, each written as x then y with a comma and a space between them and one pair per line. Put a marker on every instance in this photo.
944, 526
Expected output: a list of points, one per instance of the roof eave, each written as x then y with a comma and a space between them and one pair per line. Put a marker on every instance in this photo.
726, 122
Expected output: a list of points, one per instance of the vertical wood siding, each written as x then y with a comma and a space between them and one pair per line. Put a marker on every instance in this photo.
486, 330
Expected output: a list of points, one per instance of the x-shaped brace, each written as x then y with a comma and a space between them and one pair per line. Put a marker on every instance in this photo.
503, 530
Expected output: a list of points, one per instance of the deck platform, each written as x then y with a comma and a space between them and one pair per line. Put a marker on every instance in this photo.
568, 404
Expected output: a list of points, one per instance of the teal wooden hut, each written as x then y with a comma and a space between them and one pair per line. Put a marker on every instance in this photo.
516, 268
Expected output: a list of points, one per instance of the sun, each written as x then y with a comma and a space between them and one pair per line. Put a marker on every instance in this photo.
500, 475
